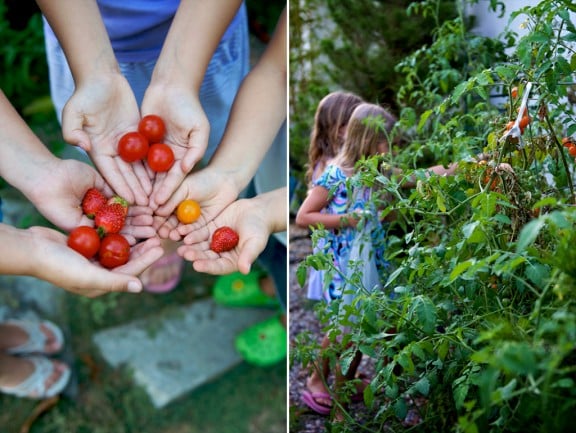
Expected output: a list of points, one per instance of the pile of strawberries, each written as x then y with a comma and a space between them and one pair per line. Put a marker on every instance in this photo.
102, 240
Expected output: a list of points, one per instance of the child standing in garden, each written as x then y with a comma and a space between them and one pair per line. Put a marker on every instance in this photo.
330, 121
332, 204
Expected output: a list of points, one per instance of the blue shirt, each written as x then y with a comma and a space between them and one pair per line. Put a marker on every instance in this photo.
138, 28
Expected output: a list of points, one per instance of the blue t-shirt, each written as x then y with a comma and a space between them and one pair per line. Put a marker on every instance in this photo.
138, 28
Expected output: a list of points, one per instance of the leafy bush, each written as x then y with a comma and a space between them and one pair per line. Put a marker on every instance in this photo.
478, 316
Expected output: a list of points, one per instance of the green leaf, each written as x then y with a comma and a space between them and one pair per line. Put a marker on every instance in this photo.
301, 274
528, 234
423, 386
516, 358
461, 268
425, 312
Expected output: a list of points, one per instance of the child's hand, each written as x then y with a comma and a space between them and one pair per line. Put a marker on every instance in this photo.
187, 132
210, 188
82, 276
100, 111
249, 219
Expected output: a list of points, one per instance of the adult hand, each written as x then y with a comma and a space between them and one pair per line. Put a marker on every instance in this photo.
64, 267
99, 112
187, 132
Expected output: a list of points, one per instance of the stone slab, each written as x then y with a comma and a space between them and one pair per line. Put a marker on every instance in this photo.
172, 353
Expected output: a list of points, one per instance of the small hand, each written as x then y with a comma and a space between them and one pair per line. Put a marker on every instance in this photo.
187, 132
85, 277
252, 227
210, 188
94, 118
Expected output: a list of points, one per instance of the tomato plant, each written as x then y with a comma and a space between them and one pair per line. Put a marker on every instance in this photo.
152, 127
160, 157
188, 211
114, 251
84, 240
480, 293
133, 146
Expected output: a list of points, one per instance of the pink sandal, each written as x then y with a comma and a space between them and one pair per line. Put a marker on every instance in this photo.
170, 284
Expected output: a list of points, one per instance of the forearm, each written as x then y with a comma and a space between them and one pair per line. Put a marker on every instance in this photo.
327, 220
257, 114
24, 160
18, 251
81, 32
194, 35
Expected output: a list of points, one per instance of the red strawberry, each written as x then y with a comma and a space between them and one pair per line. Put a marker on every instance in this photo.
224, 239
120, 200
92, 201
110, 218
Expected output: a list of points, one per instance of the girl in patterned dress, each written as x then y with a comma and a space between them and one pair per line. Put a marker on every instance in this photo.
330, 121
333, 205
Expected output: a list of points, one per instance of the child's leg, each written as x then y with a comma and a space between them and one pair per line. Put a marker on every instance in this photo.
316, 382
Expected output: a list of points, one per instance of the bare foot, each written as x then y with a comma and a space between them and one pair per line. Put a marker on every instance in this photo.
15, 370
12, 335
315, 385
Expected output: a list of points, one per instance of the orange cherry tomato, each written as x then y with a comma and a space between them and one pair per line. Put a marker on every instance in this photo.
188, 211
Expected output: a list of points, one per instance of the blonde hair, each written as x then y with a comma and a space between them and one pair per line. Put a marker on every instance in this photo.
332, 113
370, 126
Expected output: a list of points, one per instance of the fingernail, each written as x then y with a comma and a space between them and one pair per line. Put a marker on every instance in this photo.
134, 287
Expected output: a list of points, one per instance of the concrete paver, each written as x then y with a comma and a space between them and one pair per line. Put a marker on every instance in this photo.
172, 354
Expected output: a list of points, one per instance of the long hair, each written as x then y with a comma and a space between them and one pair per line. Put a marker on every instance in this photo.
369, 127
332, 114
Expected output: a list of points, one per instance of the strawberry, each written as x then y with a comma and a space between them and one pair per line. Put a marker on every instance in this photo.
224, 239
92, 201
110, 218
120, 200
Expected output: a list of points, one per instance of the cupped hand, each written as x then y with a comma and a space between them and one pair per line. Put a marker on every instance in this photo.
252, 227
61, 188
187, 132
212, 190
64, 267
101, 110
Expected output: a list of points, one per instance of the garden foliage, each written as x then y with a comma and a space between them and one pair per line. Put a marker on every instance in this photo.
478, 313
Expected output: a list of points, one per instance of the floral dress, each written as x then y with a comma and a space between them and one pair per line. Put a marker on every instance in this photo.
339, 241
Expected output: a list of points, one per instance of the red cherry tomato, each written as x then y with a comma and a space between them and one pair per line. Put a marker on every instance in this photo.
114, 251
160, 157
152, 127
84, 240
133, 146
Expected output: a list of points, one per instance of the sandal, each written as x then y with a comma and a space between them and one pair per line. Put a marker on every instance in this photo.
34, 386
263, 344
36, 342
239, 290
171, 283
310, 400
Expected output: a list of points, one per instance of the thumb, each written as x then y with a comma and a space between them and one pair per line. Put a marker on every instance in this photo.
248, 254
118, 282
73, 132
